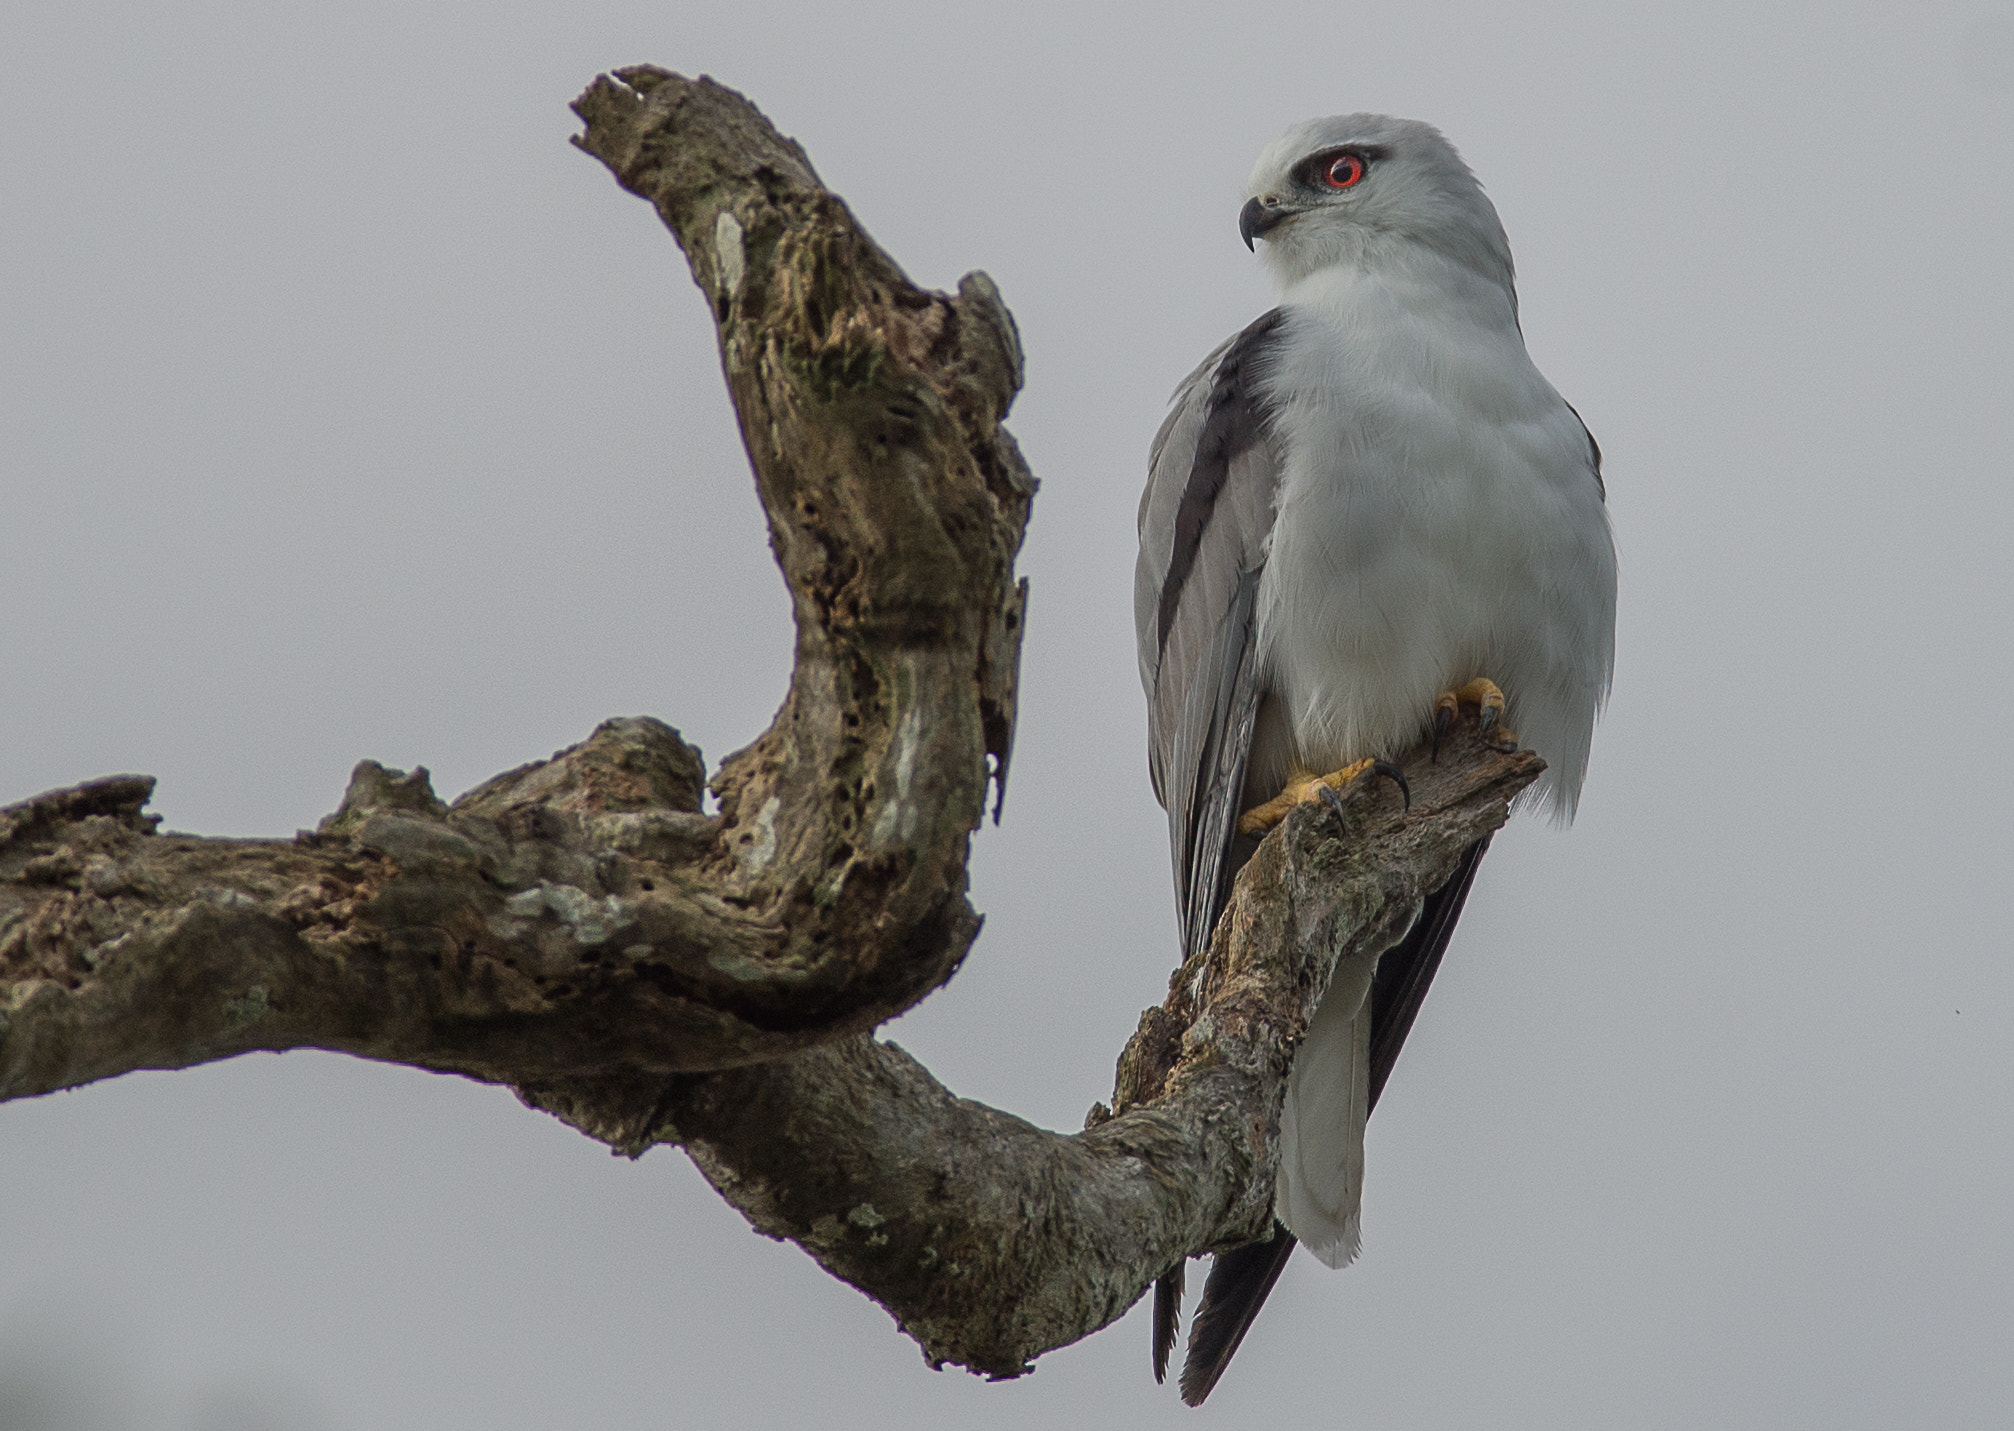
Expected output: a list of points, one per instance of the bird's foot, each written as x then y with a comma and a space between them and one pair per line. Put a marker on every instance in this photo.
1305, 786
1484, 694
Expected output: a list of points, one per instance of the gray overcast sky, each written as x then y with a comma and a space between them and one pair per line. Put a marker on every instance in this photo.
346, 411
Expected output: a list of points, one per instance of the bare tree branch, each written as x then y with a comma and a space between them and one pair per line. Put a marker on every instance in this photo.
580, 930
993, 1241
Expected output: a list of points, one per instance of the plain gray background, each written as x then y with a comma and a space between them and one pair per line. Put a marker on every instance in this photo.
346, 411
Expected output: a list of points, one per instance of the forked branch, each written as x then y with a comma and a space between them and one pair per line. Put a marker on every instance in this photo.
582, 930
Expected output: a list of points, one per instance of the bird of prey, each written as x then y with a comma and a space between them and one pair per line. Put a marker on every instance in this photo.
1363, 511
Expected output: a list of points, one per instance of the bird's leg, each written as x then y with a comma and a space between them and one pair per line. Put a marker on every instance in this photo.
1484, 694
1305, 785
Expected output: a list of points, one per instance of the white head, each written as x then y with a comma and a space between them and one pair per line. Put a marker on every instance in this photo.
1358, 188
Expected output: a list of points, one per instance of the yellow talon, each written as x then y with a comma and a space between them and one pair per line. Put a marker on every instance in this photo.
1488, 698
1302, 785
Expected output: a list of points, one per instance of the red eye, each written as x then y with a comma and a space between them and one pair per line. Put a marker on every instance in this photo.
1343, 171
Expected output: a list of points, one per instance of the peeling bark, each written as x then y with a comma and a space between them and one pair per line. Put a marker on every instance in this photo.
581, 930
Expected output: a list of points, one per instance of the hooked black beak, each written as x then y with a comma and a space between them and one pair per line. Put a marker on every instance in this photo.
1257, 219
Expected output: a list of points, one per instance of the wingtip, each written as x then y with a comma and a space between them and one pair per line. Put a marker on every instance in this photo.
1198, 1382
1240, 1281
1167, 1317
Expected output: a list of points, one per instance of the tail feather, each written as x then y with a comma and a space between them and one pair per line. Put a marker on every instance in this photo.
1321, 1176
1241, 1279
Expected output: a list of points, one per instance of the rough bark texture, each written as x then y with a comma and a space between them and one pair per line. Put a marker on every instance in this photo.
580, 930
871, 411
993, 1241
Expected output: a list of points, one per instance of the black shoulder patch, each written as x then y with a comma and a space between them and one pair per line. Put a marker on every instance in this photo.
1233, 424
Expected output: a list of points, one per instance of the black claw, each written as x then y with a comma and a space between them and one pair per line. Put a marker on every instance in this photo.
1444, 721
1331, 797
1487, 722
1397, 776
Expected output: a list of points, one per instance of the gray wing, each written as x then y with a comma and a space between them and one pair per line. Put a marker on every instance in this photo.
1204, 521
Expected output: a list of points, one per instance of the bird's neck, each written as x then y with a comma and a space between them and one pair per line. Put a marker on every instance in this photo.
1404, 278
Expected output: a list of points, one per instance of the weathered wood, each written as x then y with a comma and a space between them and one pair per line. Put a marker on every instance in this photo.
871, 412
992, 1241
582, 930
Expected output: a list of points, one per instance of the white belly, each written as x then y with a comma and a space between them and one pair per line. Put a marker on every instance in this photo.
1438, 521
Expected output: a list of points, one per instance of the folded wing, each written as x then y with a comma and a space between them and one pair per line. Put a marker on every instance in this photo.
1204, 522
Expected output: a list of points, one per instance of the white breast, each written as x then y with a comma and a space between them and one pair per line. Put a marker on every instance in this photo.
1438, 521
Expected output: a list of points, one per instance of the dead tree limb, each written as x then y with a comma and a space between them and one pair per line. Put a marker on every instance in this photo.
582, 931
